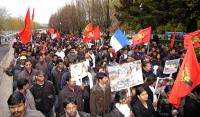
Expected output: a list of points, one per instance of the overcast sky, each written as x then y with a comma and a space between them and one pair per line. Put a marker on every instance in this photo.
43, 8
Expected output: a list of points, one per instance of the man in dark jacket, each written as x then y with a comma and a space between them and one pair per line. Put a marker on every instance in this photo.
100, 96
71, 90
70, 107
44, 94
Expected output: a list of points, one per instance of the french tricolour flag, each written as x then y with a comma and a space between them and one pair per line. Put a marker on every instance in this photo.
119, 40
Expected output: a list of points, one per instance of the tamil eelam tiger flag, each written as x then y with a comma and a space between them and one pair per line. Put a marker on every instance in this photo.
143, 36
194, 37
88, 33
187, 79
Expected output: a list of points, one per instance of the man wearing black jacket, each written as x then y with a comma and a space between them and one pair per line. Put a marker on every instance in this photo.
44, 93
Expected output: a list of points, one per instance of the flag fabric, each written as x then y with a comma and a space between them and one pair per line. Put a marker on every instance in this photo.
172, 40
88, 33
194, 37
143, 36
56, 35
33, 13
51, 30
96, 33
43, 49
118, 40
25, 34
187, 79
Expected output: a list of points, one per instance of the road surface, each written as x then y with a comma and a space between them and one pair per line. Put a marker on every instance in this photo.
6, 82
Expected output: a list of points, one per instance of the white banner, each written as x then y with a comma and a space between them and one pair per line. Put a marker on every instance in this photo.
171, 66
125, 76
79, 70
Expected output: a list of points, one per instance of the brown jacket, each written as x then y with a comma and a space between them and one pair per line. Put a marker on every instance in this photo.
100, 101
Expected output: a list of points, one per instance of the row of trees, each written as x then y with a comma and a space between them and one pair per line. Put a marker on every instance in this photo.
73, 17
162, 15
184, 15
11, 23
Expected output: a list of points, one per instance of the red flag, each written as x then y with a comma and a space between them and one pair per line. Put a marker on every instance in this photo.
51, 30
187, 79
142, 36
172, 40
43, 49
88, 33
25, 35
33, 13
96, 32
58, 35
194, 37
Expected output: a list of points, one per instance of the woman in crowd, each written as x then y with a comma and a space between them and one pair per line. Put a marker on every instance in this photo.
143, 107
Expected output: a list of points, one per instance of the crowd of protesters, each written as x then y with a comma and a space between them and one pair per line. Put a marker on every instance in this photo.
43, 86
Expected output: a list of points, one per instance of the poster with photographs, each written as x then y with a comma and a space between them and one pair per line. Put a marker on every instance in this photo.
161, 83
125, 75
79, 70
171, 66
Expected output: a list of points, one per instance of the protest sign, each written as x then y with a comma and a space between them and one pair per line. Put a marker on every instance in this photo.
161, 83
79, 70
125, 75
171, 66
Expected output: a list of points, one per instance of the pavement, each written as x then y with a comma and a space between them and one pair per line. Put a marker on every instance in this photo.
6, 82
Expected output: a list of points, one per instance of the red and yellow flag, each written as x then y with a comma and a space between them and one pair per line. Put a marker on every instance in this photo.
143, 36
96, 33
187, 79
25, 34
194, 37
88, 33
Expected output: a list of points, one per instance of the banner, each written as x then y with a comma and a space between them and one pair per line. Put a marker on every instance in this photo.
125, 75
79, 70
171, 66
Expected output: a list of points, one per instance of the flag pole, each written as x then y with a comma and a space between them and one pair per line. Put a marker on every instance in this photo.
148, 49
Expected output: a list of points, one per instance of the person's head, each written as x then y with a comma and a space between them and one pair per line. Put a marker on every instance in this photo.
55, 58
28, 64
133, 91
71, 82
59, 49
121, 97
168, 89
23, 59
146, 66
60, 64
151, 81
70, 107
22, 84
40, 77
16, 104
41, 58
142, 94
102, 78
23, 52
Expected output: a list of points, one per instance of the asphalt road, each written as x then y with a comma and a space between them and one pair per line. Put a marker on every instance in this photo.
6, 82
3, 50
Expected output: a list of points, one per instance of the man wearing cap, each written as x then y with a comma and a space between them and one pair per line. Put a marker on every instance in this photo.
100, 96
17, 69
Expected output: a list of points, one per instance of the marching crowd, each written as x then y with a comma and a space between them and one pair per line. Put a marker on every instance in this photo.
43, 86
